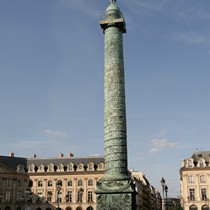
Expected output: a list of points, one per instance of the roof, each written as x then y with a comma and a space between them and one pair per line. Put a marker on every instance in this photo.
65, 161
201, 155
13, 162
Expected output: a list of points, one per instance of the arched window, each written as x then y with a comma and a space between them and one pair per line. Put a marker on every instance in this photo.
90, 208
205, 207
79, 183
90, 182
79, 208
193, 207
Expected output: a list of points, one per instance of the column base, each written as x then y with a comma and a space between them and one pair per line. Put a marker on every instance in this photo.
115, 195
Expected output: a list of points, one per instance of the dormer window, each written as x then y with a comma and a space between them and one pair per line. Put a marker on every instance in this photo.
31, 168
20, 168
71, 167
81, 167
60, 167
190, 163
101, 166
41, 168
201, 164
51, 168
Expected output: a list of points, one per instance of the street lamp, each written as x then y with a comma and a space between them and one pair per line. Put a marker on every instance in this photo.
163, 182
166, 190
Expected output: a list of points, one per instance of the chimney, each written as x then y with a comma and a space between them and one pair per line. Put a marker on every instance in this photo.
11, 154
70, 154
61, 155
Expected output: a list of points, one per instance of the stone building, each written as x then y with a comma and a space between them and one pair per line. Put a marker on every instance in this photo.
147, 197
65, 183
195, 181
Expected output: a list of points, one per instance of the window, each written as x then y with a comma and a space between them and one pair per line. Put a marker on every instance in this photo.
39, 198
71, 167
49, 183
59, 183
192, 194
203, 194
79, 195
31, 168
50, 168
19, 196
39, 184
60, 167
201, 164
90, 167
101, 166
69, 196
8, 182
59, 196
79, 183
90, 196
190, 163
49, 196
20, 168
20, 183
69, 183
7, 196
30, 183
1, 181
191, 179
90, 182
202, 179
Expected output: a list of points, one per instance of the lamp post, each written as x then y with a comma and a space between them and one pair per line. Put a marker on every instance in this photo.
163, 182
166, 190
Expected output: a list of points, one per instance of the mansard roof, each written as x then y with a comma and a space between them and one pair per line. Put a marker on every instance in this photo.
65, 161
13, 162
201, 155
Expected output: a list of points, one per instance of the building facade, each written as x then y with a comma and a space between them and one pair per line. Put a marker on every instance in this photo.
195, 181
61, 183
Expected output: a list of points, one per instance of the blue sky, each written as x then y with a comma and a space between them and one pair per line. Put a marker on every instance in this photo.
51, 83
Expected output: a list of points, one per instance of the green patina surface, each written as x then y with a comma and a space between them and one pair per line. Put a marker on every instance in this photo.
114, 191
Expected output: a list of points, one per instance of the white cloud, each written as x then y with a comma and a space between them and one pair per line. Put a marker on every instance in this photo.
53, 133
160, 143
190, 38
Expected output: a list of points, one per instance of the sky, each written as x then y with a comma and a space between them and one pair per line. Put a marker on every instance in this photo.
51, 81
